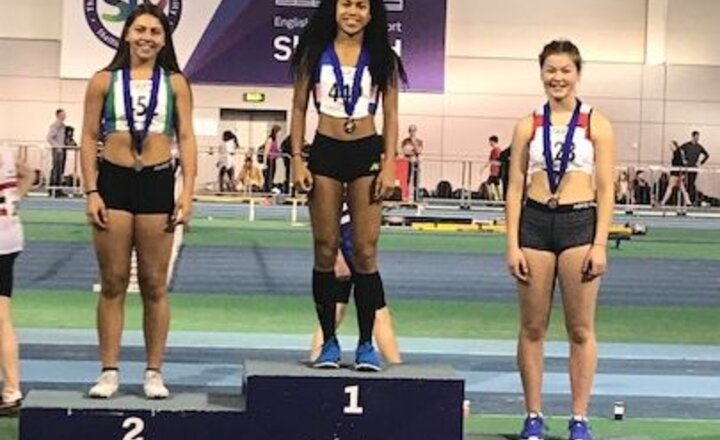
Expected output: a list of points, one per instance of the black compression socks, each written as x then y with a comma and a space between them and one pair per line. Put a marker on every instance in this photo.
324, 290
368, 295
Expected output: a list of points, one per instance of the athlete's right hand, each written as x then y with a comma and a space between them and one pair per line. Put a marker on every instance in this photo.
95, 211
302, 177
517, 265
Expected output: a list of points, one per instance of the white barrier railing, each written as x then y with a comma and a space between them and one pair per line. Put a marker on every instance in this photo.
464, 180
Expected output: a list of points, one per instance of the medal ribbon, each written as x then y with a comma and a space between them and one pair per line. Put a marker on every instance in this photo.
363, 61
139, 136
554, 177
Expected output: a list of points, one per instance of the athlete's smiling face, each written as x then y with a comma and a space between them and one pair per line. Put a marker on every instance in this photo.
352, 16
146, 37
559, 75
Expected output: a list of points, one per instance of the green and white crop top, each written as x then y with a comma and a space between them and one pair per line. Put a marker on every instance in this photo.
114, 118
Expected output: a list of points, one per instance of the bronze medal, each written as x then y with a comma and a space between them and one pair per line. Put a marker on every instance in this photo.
553, 203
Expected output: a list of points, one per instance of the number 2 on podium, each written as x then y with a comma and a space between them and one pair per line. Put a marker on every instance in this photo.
353, 408
136, 425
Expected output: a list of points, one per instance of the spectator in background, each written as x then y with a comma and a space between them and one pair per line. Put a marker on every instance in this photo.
493, 180
692, 150
641, 188
250, 178
286, 154
677, 177
271, 153
70, 178
622, 188
504, 160
56, 139
412, 148
226, 161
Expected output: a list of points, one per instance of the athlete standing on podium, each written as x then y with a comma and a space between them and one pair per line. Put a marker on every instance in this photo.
557, 227
143, 100
345, 61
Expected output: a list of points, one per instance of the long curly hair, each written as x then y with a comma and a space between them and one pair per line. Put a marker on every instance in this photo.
167, 59
385, 66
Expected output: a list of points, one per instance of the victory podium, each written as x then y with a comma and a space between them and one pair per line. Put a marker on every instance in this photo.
279, 401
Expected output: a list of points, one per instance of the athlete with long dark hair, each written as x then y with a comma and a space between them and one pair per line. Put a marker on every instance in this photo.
345, 61
143, 100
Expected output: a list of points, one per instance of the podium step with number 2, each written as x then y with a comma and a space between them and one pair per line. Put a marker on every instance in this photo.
280, 401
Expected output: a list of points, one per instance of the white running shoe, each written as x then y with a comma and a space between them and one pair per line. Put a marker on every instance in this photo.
107, 385
154, 387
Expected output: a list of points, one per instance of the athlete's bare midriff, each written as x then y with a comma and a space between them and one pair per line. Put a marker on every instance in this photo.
575, 186
335, 128
119, 149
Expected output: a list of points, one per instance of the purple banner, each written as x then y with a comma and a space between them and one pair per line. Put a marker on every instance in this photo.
250, 42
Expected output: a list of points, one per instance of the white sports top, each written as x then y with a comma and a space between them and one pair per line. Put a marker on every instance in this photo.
329, 102
582, 153
11, 232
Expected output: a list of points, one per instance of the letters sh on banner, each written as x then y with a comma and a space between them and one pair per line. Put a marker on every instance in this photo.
262, 34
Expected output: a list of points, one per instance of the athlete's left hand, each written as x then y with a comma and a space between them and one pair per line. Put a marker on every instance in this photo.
183, 210
595, 262
385, 181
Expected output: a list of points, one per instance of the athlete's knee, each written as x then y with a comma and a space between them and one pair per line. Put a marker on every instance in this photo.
382, 316
580, 334
114, 285
5, 319
326, 250
153, 290
533, 331
365, 257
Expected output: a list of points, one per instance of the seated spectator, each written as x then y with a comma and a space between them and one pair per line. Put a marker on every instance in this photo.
622, 188
250, 178
641, 188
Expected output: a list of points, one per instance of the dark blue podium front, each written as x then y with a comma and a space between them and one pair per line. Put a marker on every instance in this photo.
279, 401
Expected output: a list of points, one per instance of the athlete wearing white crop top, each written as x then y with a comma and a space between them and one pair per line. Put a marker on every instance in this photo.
347, 72
557, 227
325, 92
582, 150
15, 180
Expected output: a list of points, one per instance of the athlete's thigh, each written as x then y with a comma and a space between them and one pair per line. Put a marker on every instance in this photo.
113, 245
535, 295
579, 294
365, 213
325, 204
153, 243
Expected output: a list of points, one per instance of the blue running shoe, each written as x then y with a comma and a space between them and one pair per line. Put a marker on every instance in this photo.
366, 358
329, 356
533, 428
579, 429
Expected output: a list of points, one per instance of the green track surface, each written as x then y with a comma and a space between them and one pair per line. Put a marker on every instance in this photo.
295, 315
477, 320
657, 429
659, 243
